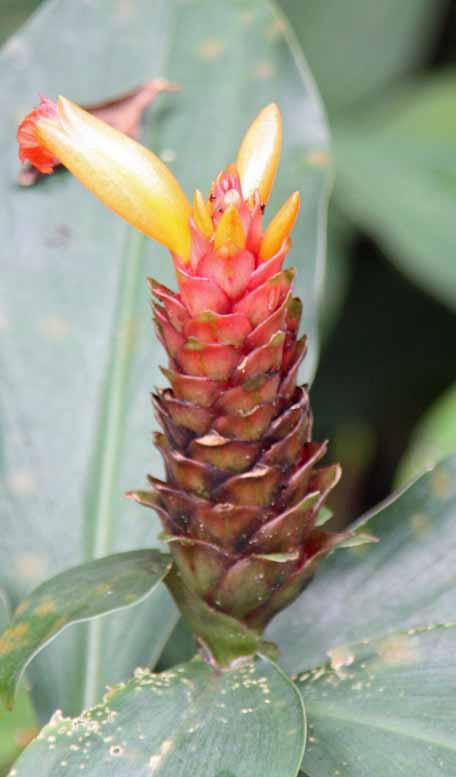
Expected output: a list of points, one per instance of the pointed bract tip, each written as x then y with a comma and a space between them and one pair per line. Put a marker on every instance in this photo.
280, 227
259, 153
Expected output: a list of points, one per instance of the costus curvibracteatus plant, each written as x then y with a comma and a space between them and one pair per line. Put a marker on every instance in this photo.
242, 500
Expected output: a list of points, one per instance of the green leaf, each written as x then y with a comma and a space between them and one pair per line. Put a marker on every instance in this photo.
17, 728
384, 44
404, 580
340, 238
433, 439
79, 356
79, 594
384, 708
14, 13
181, 647
245, 723
396, 177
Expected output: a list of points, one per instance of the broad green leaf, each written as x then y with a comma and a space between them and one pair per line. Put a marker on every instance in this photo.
79, 594
181, 647
385, 707
14, 13
78, 353
433, 439
190, 720
396, 177
17, 728
338, 269
356, 49
404, 580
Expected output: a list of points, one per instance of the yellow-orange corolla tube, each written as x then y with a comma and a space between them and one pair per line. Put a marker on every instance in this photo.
259, 153
125, 175
280, 227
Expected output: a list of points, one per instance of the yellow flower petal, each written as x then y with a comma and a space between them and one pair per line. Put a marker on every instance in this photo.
259, 153
229, 230
280, 227
201, 215
125, 175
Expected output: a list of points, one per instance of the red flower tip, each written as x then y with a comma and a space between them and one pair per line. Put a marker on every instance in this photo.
30, 146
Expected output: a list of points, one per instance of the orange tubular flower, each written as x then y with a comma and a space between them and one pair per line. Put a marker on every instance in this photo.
241, 502
127, 177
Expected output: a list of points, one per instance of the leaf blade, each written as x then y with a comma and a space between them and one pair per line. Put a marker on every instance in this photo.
387, 706
188, 713
350, 77
396, 178
79, 594
404, 579
433, 439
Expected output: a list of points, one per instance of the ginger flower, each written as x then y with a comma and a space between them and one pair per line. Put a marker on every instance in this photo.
243, 492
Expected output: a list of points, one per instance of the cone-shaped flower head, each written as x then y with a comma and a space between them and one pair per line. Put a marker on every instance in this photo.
242, 497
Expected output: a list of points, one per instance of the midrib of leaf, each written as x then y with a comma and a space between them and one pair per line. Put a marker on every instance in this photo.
112, 427
110, 441
307, 372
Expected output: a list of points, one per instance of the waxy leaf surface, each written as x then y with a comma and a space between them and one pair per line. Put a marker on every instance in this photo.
433, 439
78, 353
386, 707
79, 594
396, 177
190, 720
357, 49
18, 727
403, 581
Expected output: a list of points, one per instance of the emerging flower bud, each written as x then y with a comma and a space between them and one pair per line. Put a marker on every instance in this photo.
280, 227
259, 153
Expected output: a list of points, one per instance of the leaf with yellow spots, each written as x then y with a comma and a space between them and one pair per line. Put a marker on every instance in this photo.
19, 727
80, 594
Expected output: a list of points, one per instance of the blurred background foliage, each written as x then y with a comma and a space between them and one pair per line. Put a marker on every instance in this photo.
387, 78
385, 393
386, 74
